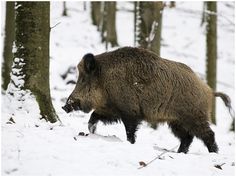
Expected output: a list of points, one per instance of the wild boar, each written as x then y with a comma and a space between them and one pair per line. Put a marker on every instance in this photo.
133, 85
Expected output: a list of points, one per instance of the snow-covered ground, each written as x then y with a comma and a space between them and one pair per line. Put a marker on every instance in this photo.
34, 147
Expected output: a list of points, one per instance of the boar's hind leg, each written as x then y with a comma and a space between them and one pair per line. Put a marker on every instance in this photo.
131, 126
205, 133
183, 135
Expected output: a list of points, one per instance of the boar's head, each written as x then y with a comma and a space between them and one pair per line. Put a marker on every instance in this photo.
87, 94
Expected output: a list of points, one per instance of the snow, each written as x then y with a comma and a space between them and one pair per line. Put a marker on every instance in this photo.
34, 147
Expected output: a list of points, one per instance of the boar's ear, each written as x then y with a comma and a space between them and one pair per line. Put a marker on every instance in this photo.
89, 62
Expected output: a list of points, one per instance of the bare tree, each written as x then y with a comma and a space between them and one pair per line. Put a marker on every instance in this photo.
64, 13
8, 42
135, 21
155, 35
211, 48
96, 14
109, 35
31, 59
148, 25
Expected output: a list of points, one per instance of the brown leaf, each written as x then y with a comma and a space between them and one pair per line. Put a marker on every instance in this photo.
141, 163
11, 121
219, 166
81, 134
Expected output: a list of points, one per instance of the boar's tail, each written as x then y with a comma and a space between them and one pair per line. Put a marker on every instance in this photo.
227, 102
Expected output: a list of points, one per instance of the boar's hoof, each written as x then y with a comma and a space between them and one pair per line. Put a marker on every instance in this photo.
131, 140
92, 127
213, 148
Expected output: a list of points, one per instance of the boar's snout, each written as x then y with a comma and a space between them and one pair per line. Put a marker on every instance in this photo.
67, 108
71, 105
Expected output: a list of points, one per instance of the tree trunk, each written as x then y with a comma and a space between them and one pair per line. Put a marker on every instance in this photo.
211, 47
145, 23
135, 21
109, 24
232, 128
31, 58
149, 25
85, 5
96, 14
172, 4
104, 23
64, 13
157, 26
8, 42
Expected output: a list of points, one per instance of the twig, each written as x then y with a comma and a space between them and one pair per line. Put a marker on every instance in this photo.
55, 25
18, 152
157, 157
198, 12
163, 149
219, 166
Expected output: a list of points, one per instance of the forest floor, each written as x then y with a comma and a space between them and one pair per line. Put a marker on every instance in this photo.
34, 147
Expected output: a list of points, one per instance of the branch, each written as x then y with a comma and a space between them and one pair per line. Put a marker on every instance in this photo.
158, 157
55, 25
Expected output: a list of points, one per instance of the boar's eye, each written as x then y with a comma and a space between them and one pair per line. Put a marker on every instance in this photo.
89, 62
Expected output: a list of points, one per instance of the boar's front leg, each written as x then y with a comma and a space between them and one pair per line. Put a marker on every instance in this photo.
131, 126
95, 117
92, 124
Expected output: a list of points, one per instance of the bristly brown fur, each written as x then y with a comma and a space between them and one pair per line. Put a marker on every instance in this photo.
134, 84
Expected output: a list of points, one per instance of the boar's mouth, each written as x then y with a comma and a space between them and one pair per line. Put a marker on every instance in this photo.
71, 107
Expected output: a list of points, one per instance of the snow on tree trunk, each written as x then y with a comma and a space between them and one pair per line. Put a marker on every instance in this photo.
155, 35
30, 70
111, 24
148, 25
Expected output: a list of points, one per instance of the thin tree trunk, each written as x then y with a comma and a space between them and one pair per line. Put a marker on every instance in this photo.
232, 128
149, 25
157, 26
8, 42
135, 21
32, 54
111, 24
104, 22
85, 5
64, 13
211, 45
172, 4
96, 14
145, 24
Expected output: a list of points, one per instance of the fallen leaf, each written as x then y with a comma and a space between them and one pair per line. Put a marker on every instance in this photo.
141, 163
219, 166
81, 134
